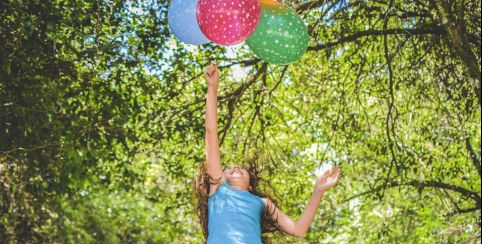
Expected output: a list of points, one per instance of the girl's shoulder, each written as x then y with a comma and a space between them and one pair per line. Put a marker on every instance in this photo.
222, 184
267, 202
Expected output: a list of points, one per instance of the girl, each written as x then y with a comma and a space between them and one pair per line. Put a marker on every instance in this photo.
230, 205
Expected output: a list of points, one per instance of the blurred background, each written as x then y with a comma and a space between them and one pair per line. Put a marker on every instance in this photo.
102, 121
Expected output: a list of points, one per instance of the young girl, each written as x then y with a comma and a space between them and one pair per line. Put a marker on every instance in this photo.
230, 205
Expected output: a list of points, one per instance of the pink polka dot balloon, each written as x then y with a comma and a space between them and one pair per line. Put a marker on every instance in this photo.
228, 22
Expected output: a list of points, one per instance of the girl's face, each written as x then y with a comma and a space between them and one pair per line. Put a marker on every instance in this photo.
237, 175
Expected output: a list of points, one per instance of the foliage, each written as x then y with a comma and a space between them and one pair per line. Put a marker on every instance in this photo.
102, 121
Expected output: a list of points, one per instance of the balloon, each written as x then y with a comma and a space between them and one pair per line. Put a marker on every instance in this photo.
281, 36
183, 23
228, 22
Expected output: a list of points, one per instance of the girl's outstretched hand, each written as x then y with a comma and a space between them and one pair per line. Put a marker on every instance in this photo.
328, 179
211, 74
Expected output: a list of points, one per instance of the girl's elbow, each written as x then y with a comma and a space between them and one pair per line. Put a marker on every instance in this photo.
299, 234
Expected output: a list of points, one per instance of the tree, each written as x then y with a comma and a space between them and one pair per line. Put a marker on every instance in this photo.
102, 115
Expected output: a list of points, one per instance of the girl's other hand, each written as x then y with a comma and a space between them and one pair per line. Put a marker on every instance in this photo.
212, 74
329, 179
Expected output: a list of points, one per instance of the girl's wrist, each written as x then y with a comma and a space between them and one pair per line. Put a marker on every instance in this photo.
213, 85
319, 193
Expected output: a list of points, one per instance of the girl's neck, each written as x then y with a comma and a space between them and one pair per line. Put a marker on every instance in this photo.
237, 187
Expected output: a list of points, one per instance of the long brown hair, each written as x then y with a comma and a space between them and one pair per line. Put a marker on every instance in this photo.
255, 165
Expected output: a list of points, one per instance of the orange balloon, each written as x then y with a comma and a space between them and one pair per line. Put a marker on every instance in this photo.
271, 3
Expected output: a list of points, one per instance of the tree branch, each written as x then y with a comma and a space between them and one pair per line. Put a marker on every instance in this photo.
461, 211
391, 105
423, 184
457, 38
473, 156
435, 30
234, 96
310, 5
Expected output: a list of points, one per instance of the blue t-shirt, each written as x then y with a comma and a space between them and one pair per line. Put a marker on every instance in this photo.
234, 216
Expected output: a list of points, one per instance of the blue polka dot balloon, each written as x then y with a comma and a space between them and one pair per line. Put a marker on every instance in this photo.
183, 22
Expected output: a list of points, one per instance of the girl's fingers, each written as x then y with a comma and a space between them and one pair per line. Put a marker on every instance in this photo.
209, 71
211, 68
337, 175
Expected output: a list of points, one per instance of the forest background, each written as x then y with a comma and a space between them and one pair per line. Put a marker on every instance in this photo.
102, 121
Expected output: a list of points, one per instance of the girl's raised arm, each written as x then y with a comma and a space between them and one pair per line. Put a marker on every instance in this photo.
213, 158
300, 227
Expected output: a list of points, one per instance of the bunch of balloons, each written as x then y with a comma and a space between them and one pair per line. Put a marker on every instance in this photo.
274, 32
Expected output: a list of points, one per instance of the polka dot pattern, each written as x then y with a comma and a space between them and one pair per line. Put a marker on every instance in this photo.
228, 22
281, 36
183, 23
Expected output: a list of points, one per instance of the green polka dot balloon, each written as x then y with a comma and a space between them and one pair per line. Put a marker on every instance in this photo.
281, 36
